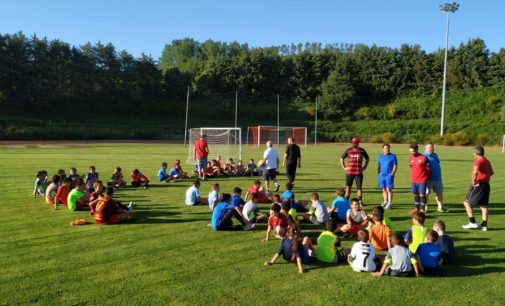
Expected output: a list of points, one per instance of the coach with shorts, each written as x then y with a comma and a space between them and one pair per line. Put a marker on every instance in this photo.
354, 169
200, 153
478, 194
292, 159
271, 160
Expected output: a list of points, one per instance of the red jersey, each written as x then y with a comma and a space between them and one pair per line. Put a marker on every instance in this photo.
217, 164
355, 160
281, 221
62, 194
201, 149
138, 177
485, 169
419, 168
209, 171
104, 209
261, 197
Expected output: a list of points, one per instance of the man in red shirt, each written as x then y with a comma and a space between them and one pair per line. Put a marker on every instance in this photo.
478, 194
354, 169
200, 153
420, 173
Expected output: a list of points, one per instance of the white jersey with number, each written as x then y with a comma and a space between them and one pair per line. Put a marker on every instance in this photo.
362, 256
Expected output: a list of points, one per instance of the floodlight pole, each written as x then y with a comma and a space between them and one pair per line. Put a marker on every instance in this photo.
447, 8
186, 125
236, 106
278, 119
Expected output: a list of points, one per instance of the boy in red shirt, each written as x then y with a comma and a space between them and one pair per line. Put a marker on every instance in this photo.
62, 193
420, 173
277, 222
107, 210
261, 196
478, 194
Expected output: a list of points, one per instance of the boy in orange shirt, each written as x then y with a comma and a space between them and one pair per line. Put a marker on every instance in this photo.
62, 193
139, 179
380, 234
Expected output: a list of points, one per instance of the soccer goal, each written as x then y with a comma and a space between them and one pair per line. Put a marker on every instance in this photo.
222, 141
261, 133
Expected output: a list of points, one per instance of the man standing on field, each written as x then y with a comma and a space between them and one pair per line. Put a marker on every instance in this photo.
478, 194
420, 172
200, 153
354, 169
271, 160
292, 159
435, 180
387, 166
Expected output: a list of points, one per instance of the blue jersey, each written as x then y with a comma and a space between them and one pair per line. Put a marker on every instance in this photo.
288, 195
162, 174
436, 171
386, 163
218, 214
429, 254
173, 172
341, 205
236, 201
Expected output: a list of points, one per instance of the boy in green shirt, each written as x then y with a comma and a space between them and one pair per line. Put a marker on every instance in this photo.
78, 197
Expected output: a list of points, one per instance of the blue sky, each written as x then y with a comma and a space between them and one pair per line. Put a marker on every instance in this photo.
146, 26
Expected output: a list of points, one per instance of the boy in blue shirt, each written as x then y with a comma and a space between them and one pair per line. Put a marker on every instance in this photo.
222, 214
290, 196
236, 200
163, 175
387, 166
340, 206
428, 254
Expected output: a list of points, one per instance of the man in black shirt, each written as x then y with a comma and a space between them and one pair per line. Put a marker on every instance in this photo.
292, 159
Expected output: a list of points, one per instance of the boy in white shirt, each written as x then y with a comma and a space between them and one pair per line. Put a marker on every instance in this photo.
193, 195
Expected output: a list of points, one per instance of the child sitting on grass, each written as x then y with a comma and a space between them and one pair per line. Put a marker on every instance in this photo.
380, 234
91, 177
261, 196
78, 198
117, 179
400, 261
62, 193
289, 211
40, 185
251, 212
209, 171
240, 169
415, 235
428, 254
252, 169
356, 219
289, 195
229, 168
73, 175
138, 179
328, 245
213, 196
293, 249
193, 195
277, 223
163, 175
107, 210
318, 213
386, 220
216, 165
362, 257
236, 198
340, 206
52, 189
177, 172
223, 214
445, 243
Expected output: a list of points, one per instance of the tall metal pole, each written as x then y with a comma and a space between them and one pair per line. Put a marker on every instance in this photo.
442, 118
315, 126
236, 106
186, 125
278, 119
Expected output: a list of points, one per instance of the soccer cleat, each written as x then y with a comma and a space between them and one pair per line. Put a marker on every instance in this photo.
388, 206
249, 226
384, 204
483, 228
277, 187
471, 225
130, 207
443, 210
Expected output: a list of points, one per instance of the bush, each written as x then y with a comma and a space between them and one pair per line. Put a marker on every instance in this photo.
481, 139
456, 139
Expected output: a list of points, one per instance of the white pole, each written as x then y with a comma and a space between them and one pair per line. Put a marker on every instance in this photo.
315, 126
186, 125
236, 106
278, 119
442, 119
503, 145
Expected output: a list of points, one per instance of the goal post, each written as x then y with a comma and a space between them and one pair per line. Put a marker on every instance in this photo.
222, 141
257, 135
503, 145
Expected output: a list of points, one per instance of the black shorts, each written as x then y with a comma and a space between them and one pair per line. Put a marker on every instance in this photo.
269, 174
479, 195
349, 179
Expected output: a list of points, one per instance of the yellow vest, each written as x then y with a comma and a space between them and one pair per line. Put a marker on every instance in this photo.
326, 246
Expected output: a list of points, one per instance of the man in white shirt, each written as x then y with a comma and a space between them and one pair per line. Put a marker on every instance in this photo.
271, 161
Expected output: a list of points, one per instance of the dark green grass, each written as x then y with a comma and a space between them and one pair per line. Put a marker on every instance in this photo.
169, 255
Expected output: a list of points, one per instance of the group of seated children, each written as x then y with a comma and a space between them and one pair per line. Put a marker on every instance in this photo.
214, 168
175, 172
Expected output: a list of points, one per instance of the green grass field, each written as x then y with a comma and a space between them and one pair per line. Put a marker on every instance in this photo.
169, 255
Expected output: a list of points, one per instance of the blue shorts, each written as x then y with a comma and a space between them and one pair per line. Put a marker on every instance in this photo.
202, 162
386, 181
305, 257
418, 188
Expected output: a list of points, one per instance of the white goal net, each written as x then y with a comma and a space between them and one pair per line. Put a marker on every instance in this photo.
224, 142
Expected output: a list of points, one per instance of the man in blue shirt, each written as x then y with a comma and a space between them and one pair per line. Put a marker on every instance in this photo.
435, 180
387, 166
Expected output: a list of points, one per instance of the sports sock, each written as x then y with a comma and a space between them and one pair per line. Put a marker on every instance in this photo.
484, 223
417, 206
472, 220
417, 200
423, 208
422, 200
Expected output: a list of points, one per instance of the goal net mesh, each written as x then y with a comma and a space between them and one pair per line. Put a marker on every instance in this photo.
224, 142
260, 134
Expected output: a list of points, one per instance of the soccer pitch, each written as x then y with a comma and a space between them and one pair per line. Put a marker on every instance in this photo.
168, 254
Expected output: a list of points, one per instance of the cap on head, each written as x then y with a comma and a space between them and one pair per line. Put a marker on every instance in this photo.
355, 140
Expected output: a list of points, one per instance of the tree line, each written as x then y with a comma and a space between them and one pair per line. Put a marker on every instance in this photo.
40, 74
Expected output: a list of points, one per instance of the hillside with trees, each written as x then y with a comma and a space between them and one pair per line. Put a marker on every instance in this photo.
52, 90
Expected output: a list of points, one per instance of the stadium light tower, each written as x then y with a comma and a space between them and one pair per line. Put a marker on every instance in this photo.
447, 8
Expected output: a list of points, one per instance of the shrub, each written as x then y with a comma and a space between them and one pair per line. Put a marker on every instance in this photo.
481, 139
458, 139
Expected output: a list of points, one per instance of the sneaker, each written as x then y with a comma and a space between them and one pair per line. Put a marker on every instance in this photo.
249, 226
471, 225
483, 228
388, 206
361, 203
413, 211
130, 207
310, 253
277, 186
443, 210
